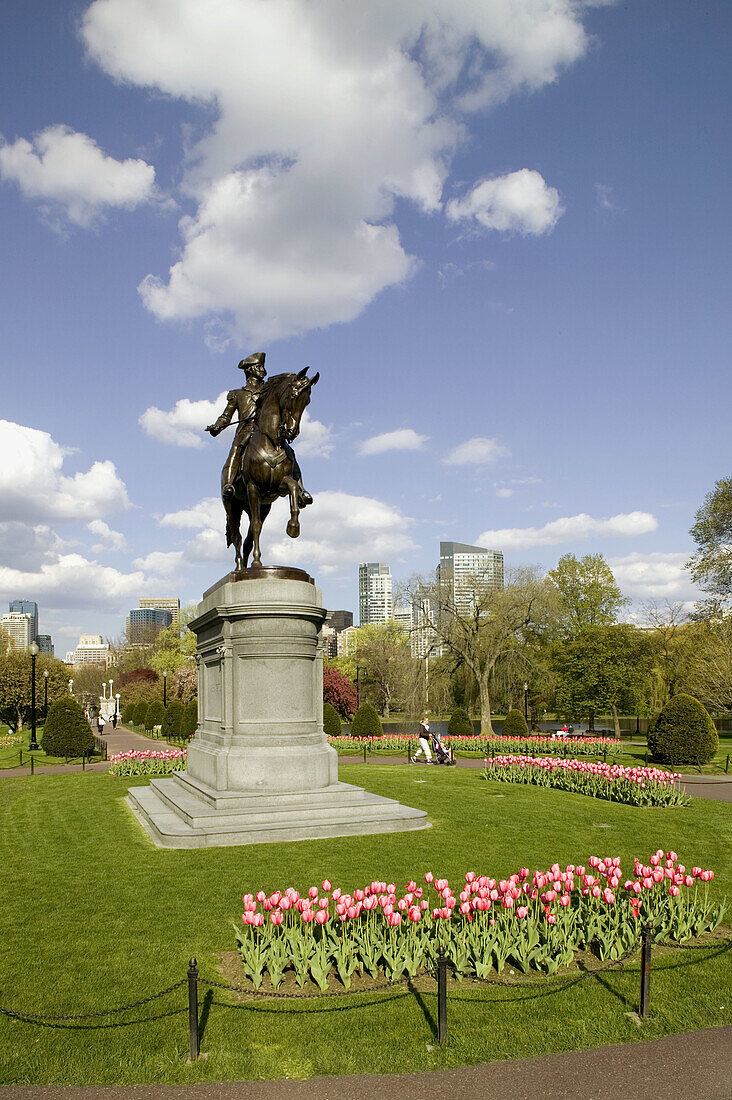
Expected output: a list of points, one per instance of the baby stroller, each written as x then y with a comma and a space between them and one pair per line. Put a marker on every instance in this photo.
443, 755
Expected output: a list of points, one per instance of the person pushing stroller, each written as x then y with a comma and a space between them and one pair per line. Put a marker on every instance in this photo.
424, 742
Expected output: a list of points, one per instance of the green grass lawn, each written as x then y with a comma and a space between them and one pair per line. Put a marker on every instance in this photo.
10, 755
95, 916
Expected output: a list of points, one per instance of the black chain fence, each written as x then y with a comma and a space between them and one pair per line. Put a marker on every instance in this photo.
540, 982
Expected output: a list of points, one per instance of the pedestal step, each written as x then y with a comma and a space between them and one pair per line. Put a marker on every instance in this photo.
180, 813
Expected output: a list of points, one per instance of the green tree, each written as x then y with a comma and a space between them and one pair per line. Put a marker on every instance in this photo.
515, 725
383, 649
154, 716
605, 668
460, 724
173, 719
66, 732
15, 684
493, 627
189, 721
708, 666
590, 594
174, 647
711, 564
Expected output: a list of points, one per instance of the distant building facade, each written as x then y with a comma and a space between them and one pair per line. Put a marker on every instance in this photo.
347, 640
45, 644
91, 650
339, 620
164, 603
423, 636
19, 628
467, 571
26, 607
145, 623
375, 604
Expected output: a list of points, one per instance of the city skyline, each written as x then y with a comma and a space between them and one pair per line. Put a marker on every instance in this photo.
498, 237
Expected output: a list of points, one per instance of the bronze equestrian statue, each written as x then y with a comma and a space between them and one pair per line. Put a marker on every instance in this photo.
261, 465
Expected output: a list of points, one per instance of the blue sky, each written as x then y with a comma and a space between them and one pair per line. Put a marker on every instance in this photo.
498, 230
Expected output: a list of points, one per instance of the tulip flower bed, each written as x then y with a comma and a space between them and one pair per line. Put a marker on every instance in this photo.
533, 921
8, 739
612, 782
148, 762
396, 744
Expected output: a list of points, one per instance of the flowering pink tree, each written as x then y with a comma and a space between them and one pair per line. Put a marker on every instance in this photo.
339, 692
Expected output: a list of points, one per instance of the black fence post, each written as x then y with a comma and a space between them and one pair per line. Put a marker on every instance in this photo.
83, 761
21, 758
726, 766
645, 984
193, 1037
441, 996
364, 754
33, 764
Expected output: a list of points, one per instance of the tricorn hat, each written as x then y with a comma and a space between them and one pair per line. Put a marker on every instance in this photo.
255, 360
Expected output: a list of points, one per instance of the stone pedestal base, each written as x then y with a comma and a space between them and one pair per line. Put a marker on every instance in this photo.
260, 768
180, 813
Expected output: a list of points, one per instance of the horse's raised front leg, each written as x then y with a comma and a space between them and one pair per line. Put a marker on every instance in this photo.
293, 526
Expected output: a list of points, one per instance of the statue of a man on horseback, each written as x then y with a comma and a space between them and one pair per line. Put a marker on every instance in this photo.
261, 465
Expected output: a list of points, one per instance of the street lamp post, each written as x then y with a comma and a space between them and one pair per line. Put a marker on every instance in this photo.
165, 689
526, 703
359, 670
33, 743
116, 704
71, 687
45, 694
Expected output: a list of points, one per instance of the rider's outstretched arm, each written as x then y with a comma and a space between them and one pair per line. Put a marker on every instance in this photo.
225, 419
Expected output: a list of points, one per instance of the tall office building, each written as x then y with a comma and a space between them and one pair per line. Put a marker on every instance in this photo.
45, 644
374, 593
145, 623
423, 636
26, 607
19, 628
469, 570
165, 603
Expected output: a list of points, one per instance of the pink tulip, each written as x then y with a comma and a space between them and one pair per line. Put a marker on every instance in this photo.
276, 917
522, 911
326, 884
551, 919
674, 891
352, 912
508, 902
414, 913
595, 891
395, 919
411, 885
258, 920
464, 907
470, 876
429, 877
608, 896
336, 894
424, 905
321, 916
308, 915
391, 888
313, 892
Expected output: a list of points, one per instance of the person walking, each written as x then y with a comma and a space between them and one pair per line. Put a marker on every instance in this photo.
100, 724
424, 742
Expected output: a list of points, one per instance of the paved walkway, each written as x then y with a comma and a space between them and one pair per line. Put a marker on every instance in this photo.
699, 1063
122, 739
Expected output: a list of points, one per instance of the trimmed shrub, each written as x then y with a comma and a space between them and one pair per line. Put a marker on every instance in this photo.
128, 714
683, 733
139, 713
189, 721
515, 724
331, 721
173, 719
366, 722
66, 732
460, 724
155, 716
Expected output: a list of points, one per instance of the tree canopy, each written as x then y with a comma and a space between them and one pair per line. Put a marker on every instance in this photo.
711, 564
590, 594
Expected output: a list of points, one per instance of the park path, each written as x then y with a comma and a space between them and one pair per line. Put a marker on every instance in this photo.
715, 787
697, 1062
122, 739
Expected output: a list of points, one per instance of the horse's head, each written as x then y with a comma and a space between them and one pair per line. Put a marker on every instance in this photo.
296, 400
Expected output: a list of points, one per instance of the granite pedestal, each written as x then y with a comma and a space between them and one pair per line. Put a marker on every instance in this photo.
260, 768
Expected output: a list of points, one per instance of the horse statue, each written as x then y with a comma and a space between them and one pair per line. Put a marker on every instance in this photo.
268, 468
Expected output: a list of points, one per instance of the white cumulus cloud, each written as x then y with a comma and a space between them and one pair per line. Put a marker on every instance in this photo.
404, 439
70, 171
570, 529
338, 531
72, 581
655, 576
520, 202
332, 113
476, 452
110, 540
32, 486
185, 426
